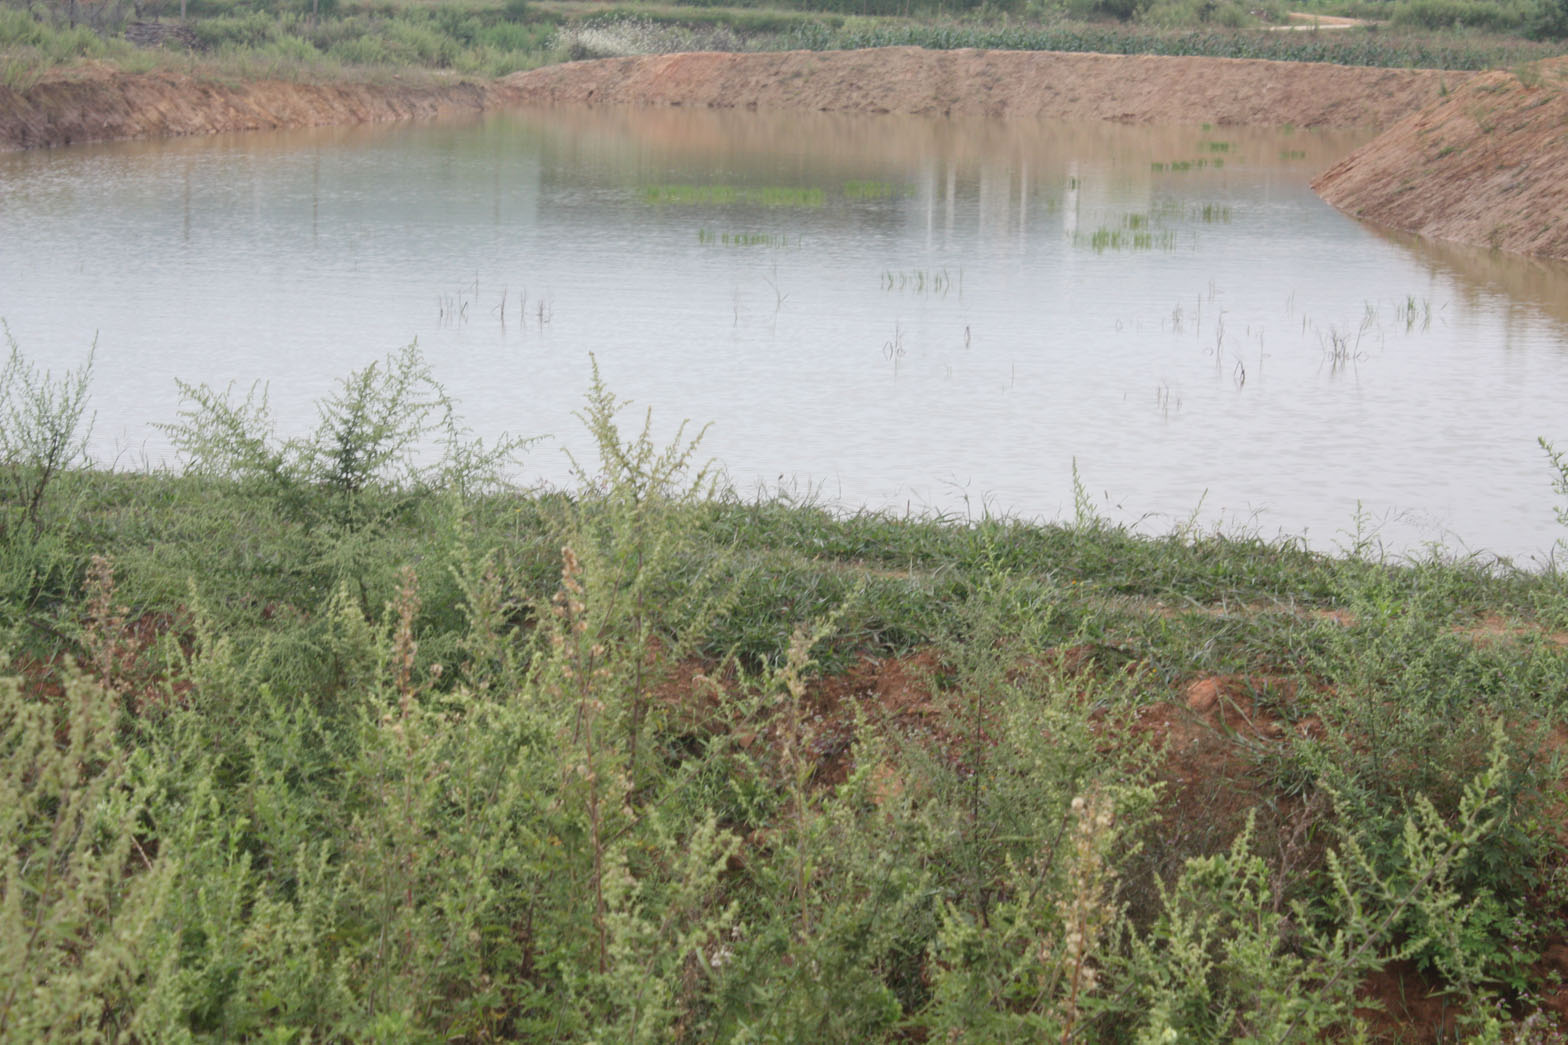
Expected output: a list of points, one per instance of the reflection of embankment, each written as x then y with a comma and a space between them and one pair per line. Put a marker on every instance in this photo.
722, 136
1525, 282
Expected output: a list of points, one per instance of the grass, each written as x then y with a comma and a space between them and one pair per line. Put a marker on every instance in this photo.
434, 757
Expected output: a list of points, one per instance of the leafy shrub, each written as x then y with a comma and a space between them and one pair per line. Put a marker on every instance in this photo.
44, 430
1487, 15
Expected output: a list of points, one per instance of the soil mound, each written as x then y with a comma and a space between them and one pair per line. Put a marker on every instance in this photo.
1128, 88
1486, 165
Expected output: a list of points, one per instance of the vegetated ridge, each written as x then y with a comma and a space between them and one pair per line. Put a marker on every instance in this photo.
1486, 165
912, 80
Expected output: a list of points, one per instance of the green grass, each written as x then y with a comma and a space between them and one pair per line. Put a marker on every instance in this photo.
315, 739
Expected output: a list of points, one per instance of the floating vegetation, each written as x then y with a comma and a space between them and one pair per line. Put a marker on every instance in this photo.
1293, 154
723, 195
874, 190
776, 240
1186, 165
1214, 146
1108, 238
1211, 214
924, 281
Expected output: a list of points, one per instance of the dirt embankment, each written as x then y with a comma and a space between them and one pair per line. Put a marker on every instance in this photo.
1486, 165
103, 105
1129, 88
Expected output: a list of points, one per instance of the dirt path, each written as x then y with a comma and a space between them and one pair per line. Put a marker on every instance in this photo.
1305, 22
1127, 88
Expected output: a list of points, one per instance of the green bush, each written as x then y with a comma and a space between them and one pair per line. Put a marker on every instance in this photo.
1488, 15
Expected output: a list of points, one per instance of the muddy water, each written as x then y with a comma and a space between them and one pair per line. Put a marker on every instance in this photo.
931, 315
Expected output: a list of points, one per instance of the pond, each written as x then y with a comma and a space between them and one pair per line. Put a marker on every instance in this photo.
918, 314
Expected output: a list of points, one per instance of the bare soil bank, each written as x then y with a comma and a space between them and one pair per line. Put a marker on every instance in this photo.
1487, 165
103, 105
1128, 88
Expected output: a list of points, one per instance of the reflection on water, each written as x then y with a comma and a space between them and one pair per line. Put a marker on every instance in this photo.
895, 311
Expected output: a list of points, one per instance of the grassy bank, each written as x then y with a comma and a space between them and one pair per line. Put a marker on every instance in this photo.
382, 39
323, 739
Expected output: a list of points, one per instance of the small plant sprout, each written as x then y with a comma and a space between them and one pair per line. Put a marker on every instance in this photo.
893, 347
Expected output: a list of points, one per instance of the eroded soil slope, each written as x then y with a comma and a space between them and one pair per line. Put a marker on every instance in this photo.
1130, 88
103, 105
1486, 165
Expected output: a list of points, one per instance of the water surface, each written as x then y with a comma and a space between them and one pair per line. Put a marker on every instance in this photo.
896, 312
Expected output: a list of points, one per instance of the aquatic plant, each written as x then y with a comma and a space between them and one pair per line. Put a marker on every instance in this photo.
1107, 238
730, 195
744, 239
923, 281
873, 190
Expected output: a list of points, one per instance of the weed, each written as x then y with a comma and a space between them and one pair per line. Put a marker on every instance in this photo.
44, 429
641, 760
